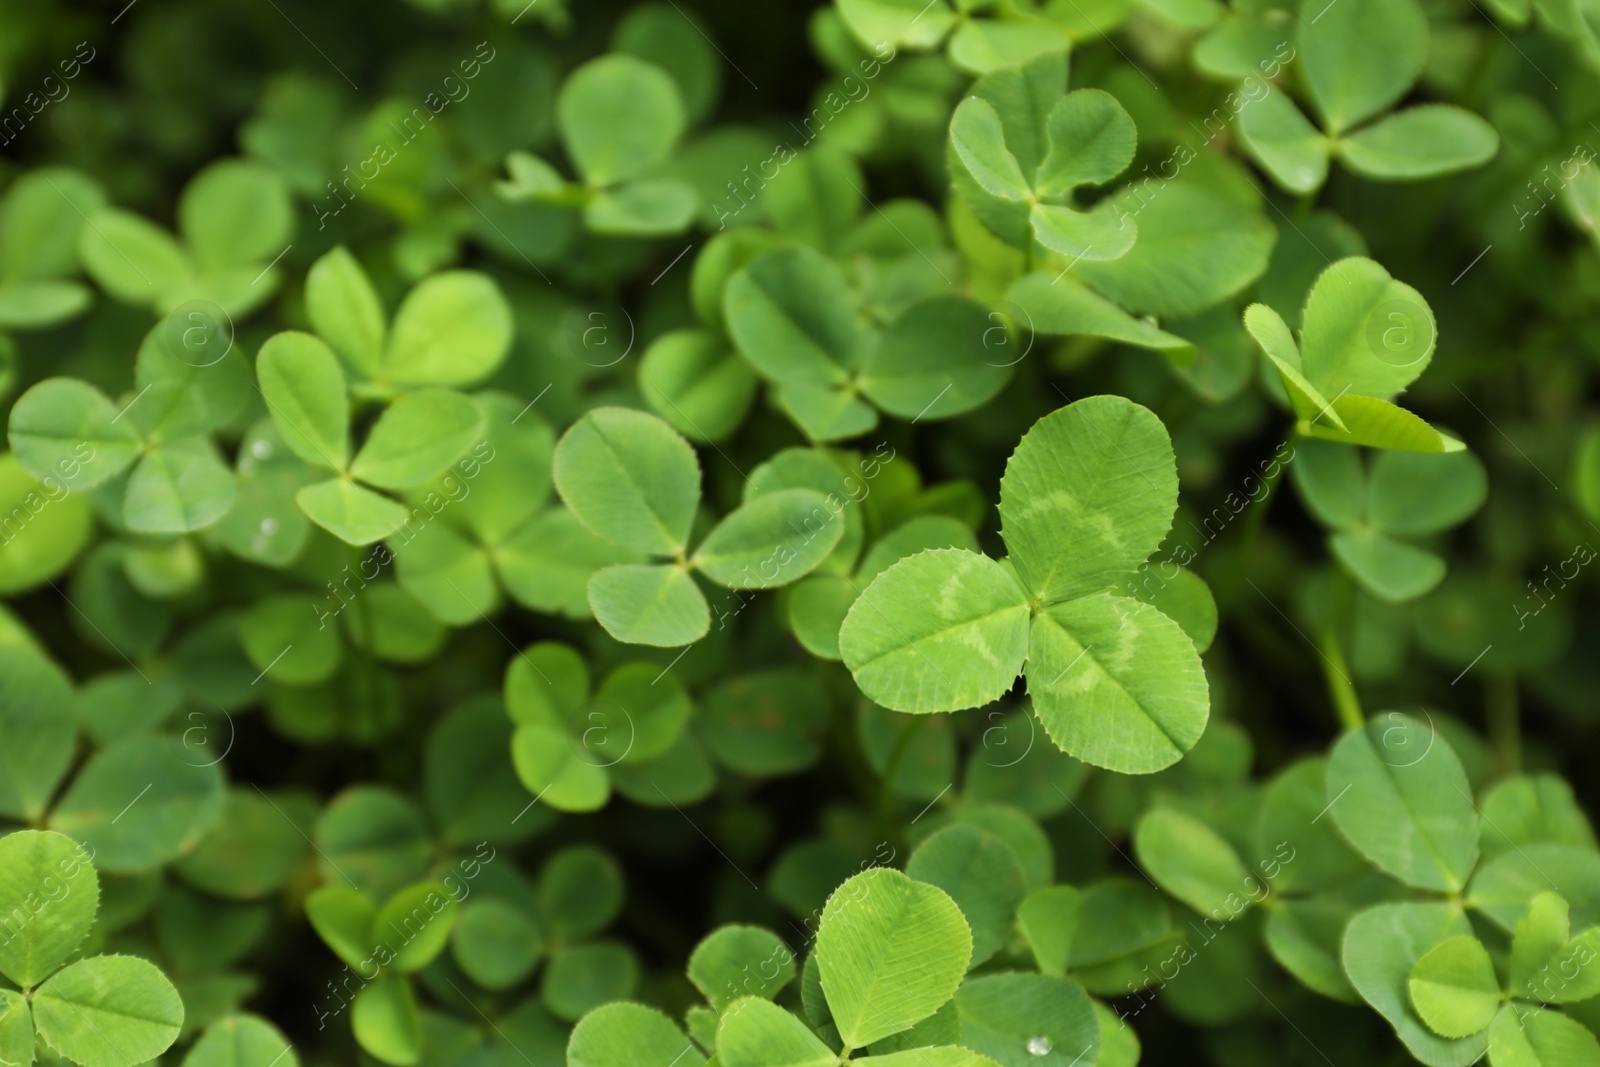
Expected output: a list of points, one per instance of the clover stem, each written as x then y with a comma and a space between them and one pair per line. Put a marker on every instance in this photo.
902, 744
1340, 688
1505, 733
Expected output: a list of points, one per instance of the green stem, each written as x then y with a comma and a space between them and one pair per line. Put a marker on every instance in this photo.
902, 744
1340, 688
1505, 732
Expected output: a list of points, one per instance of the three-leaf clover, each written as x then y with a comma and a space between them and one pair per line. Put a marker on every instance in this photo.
632, 480
790, 313
234, 217
1357, 60
620, 120
66, 430
1010, 35
1374, 514
1364, 337
1087, 497
452, 329
1017, 160
40, 219
99, 1011
568, 740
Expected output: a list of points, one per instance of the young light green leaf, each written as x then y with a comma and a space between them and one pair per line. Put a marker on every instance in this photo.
1380, 424
453, 329
772, 540
342, 916
1284, 142
109, 1011
1116, 683
233, 213
1420, 142
979, 140
757, 1033
49, 894
305, 393
353, 514
982, 875
624, 1034
1349, 79
549, 764
386, 1021
939, 631
1364, 332
1453, 987
1092, 138
649, 604
1277, 343
179, 487
891, 952
1381, 945
736, 961
418, 438
630, 478
345, 310
1404, 802
242, 1041
1523, 1037
415, 925
67, 430
1087, 496
619, 117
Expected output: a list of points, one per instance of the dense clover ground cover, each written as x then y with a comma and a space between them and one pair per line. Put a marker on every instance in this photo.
923, 533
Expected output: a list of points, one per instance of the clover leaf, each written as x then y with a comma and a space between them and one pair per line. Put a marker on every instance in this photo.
789, 312
99, 1011
41, 216
1358, 61
234, 218
1375, 516
620, 119
1364, 338
568, 739
1087, 497
632, 480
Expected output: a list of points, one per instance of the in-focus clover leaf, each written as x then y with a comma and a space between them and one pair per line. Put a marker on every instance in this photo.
1365, 338
1404, 802
108, 1011
1453, 987
891, 951
1087, 496
635, 481
49, 893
